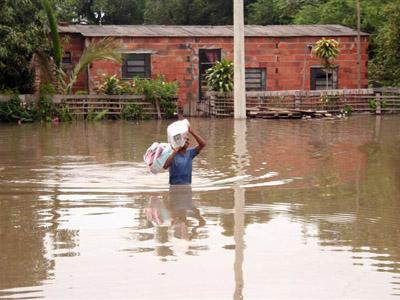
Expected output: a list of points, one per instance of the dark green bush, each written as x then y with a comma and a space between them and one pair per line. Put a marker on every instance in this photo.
65, 114
373, 104
134, 112
96, 116
16, 111
46, 110
159, 90
219, 78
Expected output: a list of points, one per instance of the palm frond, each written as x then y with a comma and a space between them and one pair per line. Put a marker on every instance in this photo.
104, 49
57, 49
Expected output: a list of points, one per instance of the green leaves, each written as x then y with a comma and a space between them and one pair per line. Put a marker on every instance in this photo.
57, 50
14, 110
21, 33
219, 78
327, 50
134, 112
107, 48
157, 90
385, 67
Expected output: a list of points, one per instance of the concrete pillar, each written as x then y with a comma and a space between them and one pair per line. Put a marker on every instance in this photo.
239, 61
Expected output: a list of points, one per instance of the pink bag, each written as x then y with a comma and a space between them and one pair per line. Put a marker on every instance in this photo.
156, 156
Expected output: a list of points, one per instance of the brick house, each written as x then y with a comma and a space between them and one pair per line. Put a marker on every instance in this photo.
278, 57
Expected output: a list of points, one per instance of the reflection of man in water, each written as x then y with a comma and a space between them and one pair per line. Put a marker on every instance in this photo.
181, 208
175, 214
180, 161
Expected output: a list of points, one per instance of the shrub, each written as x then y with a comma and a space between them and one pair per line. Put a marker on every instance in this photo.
219, 78
14, 110
96, 116
348, 110
111, 86
157, 90
65, 114
46, 110
134, 112
373, 104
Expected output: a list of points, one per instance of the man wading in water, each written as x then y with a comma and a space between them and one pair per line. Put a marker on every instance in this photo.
180, 190
180, 161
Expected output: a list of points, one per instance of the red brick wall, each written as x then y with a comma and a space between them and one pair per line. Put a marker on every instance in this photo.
177, 59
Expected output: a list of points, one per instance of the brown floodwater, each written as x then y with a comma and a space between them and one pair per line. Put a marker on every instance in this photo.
278, 209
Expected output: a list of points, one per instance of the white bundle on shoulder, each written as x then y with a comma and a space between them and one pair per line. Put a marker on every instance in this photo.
177, 133
156, 156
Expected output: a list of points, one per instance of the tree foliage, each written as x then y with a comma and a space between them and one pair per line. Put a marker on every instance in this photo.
22, 32
188, 12
385, 67
268, 12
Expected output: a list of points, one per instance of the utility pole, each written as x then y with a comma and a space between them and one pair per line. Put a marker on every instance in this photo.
358, 45
238, 61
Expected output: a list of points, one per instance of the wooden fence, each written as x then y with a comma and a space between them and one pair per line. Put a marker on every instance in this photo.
383, 100
113, 104
81, 105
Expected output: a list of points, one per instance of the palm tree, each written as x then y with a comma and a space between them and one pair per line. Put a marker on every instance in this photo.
57, 49
107, 49
104, 49
327, 51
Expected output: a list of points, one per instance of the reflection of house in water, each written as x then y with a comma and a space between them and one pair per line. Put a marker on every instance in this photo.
342, 191
321, 154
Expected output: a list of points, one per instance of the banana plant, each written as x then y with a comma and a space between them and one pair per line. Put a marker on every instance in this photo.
219, 77
327, 50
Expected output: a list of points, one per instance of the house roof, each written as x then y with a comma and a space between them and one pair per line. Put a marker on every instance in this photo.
206, 31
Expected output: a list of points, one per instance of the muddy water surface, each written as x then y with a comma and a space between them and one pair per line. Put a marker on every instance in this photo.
278, 209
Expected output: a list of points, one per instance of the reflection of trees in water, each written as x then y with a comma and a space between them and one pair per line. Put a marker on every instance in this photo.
22, 251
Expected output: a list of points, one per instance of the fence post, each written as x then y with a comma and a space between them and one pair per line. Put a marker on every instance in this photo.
297, 100
378, 104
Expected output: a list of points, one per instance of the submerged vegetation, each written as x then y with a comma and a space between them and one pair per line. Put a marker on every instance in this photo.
157, 92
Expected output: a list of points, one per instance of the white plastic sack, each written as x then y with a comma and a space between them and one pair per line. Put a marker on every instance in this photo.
156, 156
177, 133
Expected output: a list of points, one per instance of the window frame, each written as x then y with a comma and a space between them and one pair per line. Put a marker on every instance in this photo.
134, 57
333, 81
203, 66
263, 78
66, 58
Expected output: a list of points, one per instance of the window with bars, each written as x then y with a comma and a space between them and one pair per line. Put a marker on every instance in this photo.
255, 79
67, 58
136, 65
318, 79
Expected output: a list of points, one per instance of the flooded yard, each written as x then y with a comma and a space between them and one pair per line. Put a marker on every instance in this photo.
278, 209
